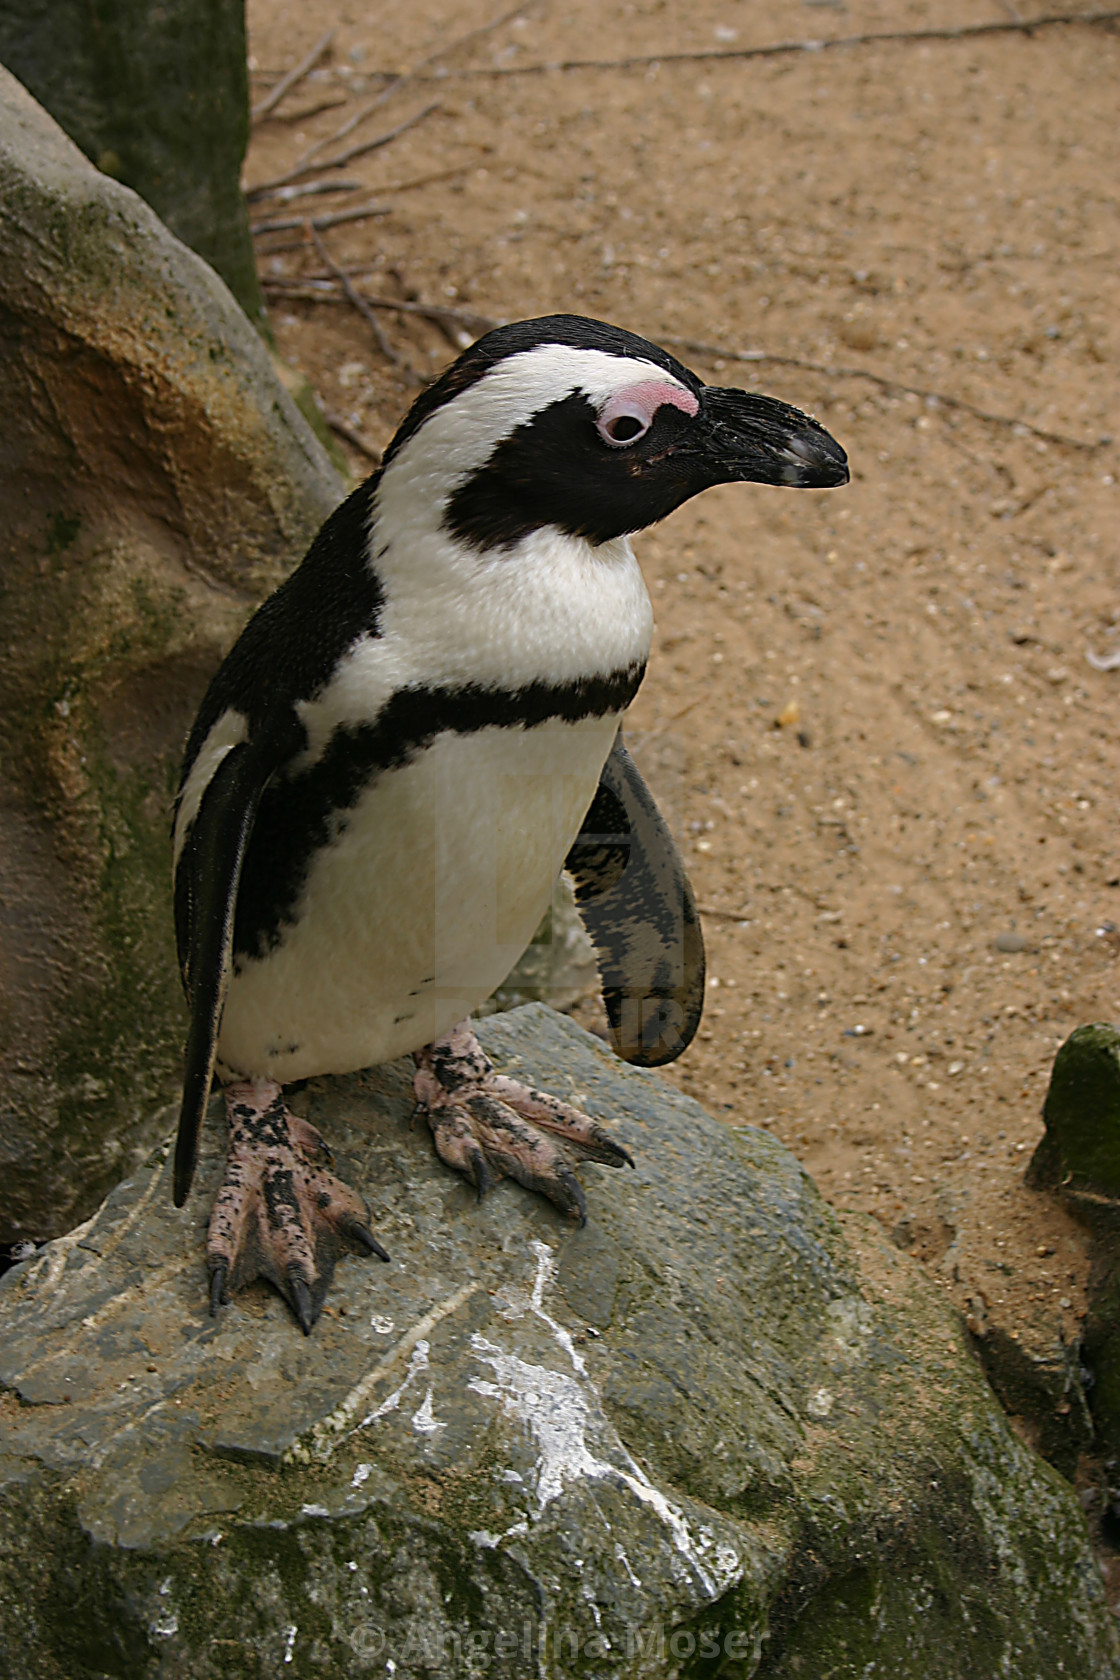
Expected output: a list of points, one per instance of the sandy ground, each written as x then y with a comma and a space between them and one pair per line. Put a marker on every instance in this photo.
871, 713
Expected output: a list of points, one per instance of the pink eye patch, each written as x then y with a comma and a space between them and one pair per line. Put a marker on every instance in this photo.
629, 414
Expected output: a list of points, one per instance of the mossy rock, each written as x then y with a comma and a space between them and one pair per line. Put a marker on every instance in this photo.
717, 1431
1079, 1159
156, 482
1081, 1148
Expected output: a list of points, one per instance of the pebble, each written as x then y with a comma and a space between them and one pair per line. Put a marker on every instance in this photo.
1012, 942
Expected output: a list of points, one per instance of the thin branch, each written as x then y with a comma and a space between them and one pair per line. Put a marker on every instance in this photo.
358, 212
292, 79
712, 352
722, 915
350, 436
426, 180
304, 113
286, 194
407, 77
315, 289
355, 297
777, 49
309, 189
284, 224
365, 146
302, 168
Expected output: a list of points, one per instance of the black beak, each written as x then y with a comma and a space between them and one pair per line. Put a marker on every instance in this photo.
764, 441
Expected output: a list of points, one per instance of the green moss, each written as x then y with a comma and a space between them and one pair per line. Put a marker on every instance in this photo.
302, 393
941, 1609
116, 1052
1081, 1148
63, 533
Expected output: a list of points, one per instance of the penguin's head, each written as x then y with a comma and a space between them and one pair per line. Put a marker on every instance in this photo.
573, 424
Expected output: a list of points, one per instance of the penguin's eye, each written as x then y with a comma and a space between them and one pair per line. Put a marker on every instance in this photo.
626, 428
624, 420
628, 415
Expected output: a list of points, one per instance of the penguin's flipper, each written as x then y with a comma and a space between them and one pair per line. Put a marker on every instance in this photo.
206, 883
636, 902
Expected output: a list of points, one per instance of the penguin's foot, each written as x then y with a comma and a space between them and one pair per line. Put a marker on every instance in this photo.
280, 1214
488, 1126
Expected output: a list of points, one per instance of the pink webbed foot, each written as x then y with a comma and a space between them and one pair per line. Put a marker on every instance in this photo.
488, 1126
280, 1213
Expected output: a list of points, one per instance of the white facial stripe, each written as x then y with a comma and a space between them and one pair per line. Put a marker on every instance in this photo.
460, 437
230, 730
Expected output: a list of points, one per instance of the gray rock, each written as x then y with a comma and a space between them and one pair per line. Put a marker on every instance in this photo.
1079, 1159
155, 482
158, 97
1080, 1153
1012, 942
713, 1432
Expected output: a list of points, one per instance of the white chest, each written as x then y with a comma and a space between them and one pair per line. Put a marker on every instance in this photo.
433, 887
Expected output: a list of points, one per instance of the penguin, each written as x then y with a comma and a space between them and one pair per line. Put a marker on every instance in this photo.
410, 740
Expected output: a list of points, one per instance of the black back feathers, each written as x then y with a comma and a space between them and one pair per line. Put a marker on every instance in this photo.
291, 645
206, 884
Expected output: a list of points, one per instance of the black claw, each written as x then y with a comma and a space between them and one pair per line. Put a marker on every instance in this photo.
576, 1201
218, 1296
622, 1157
301, 1301
362, 1235
483, 1177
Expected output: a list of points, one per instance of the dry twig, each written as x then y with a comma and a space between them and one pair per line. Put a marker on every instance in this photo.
309, 189
355, 297
350, 436
365, 146
426, 180
356, 212
405, 79
284, 224
304, 113
302, 168
712, 352
778, 49
313, 288
286, 83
